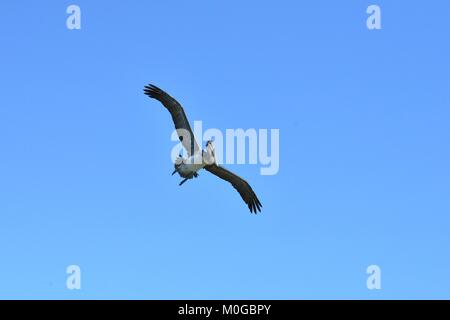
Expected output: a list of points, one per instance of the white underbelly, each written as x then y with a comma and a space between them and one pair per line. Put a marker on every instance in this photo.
192, 164
191, 167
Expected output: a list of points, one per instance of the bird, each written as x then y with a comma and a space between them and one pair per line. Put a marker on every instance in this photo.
198, 159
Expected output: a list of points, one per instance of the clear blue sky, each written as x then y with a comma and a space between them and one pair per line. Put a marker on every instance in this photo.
364, 149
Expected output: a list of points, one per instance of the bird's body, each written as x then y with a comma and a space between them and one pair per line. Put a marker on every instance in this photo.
199, 159
187, 168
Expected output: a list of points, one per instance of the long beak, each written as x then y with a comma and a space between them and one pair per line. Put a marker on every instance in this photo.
175, 171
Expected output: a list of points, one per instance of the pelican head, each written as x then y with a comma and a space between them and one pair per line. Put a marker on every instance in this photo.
210, 147
210, 155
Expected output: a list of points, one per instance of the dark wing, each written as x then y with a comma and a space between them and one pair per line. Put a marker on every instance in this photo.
179, 118
242, 186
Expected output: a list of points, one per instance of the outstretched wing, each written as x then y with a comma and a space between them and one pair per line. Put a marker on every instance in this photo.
242, 186
179, 118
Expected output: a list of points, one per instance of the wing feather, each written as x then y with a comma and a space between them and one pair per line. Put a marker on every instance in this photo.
242, 186
179, 118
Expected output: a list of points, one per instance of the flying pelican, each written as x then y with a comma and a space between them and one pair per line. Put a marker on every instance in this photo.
199, 159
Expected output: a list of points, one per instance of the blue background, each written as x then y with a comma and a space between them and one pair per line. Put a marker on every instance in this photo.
364, 149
